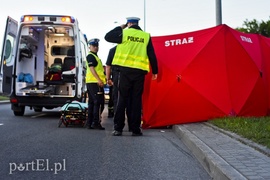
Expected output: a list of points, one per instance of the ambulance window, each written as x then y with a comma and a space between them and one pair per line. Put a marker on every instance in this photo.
8, 48
59, 50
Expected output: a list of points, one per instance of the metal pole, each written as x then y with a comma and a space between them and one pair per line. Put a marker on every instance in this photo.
218, 12
144, 15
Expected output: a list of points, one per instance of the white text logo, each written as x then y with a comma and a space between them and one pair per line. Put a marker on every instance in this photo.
176, 42
246, 39
38, 165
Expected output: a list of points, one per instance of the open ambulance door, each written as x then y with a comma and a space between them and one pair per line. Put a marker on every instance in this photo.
8, 56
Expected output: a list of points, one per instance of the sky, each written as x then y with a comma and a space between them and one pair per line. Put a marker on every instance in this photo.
158, 17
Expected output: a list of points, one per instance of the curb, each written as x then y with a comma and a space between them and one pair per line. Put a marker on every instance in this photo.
214, 164
4, 101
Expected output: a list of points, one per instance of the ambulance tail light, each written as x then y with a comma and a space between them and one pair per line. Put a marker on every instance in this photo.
14, 100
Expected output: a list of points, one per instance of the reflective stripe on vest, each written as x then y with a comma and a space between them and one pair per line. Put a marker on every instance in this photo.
90, 78
132, 52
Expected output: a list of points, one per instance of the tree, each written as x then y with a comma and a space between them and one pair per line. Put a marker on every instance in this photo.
255, 26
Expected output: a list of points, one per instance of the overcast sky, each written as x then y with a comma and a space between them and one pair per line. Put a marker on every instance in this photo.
161, 17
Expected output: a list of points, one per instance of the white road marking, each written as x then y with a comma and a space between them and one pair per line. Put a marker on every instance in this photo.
39, 115
1, 124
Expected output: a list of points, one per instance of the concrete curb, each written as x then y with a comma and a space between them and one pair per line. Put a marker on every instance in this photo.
4, 101
215, 165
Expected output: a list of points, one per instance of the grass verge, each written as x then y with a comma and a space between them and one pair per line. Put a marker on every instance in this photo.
256, 129
4, 98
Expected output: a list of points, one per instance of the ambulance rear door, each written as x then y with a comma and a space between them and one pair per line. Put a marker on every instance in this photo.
8, 56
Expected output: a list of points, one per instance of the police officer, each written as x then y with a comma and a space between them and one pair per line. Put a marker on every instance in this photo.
112, 74
132, 57
95, 80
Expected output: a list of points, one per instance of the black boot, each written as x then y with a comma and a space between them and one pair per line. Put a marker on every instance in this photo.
97, 126
110, 113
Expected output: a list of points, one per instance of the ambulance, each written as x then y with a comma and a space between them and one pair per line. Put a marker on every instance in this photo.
43, 62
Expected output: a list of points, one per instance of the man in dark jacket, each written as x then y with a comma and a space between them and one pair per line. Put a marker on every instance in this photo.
113, 72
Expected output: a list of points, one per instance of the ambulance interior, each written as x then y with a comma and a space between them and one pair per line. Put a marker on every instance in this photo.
46, 61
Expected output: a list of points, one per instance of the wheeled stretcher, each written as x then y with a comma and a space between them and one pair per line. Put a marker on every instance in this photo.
74, 113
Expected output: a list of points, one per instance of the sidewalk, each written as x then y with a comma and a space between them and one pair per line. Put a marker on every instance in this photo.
225, 155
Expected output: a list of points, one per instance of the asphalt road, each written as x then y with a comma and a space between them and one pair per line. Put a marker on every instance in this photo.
33, 147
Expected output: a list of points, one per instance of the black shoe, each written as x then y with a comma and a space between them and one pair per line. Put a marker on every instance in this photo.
101, 128
97, 126
110, 116
88, 126
137, 133
117, 133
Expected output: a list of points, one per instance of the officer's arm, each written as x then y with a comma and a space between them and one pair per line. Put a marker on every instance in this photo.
115, 35
152, 57
110, 56
108, 75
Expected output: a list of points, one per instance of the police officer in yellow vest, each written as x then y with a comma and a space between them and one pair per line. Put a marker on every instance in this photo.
95, 80
134, 54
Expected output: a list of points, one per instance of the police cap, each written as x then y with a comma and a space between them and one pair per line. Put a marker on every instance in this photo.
133, 20
93, 41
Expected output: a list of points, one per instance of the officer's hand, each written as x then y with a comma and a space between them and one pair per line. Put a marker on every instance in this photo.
100, 84
154, 76
123, 26
109, 82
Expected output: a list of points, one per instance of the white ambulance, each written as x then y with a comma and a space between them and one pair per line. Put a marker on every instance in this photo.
43, 62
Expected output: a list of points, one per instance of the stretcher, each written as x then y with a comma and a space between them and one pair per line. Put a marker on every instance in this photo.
74, 113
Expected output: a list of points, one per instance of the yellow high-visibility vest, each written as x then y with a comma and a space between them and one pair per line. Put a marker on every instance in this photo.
90, 78
132, 52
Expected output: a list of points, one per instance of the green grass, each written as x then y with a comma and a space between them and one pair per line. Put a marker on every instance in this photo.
256, 129
4, 98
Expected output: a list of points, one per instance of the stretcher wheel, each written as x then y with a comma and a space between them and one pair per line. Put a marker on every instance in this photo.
84, 123
60, 122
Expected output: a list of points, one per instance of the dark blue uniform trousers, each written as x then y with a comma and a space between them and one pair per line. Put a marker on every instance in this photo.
130, 89
96, 102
